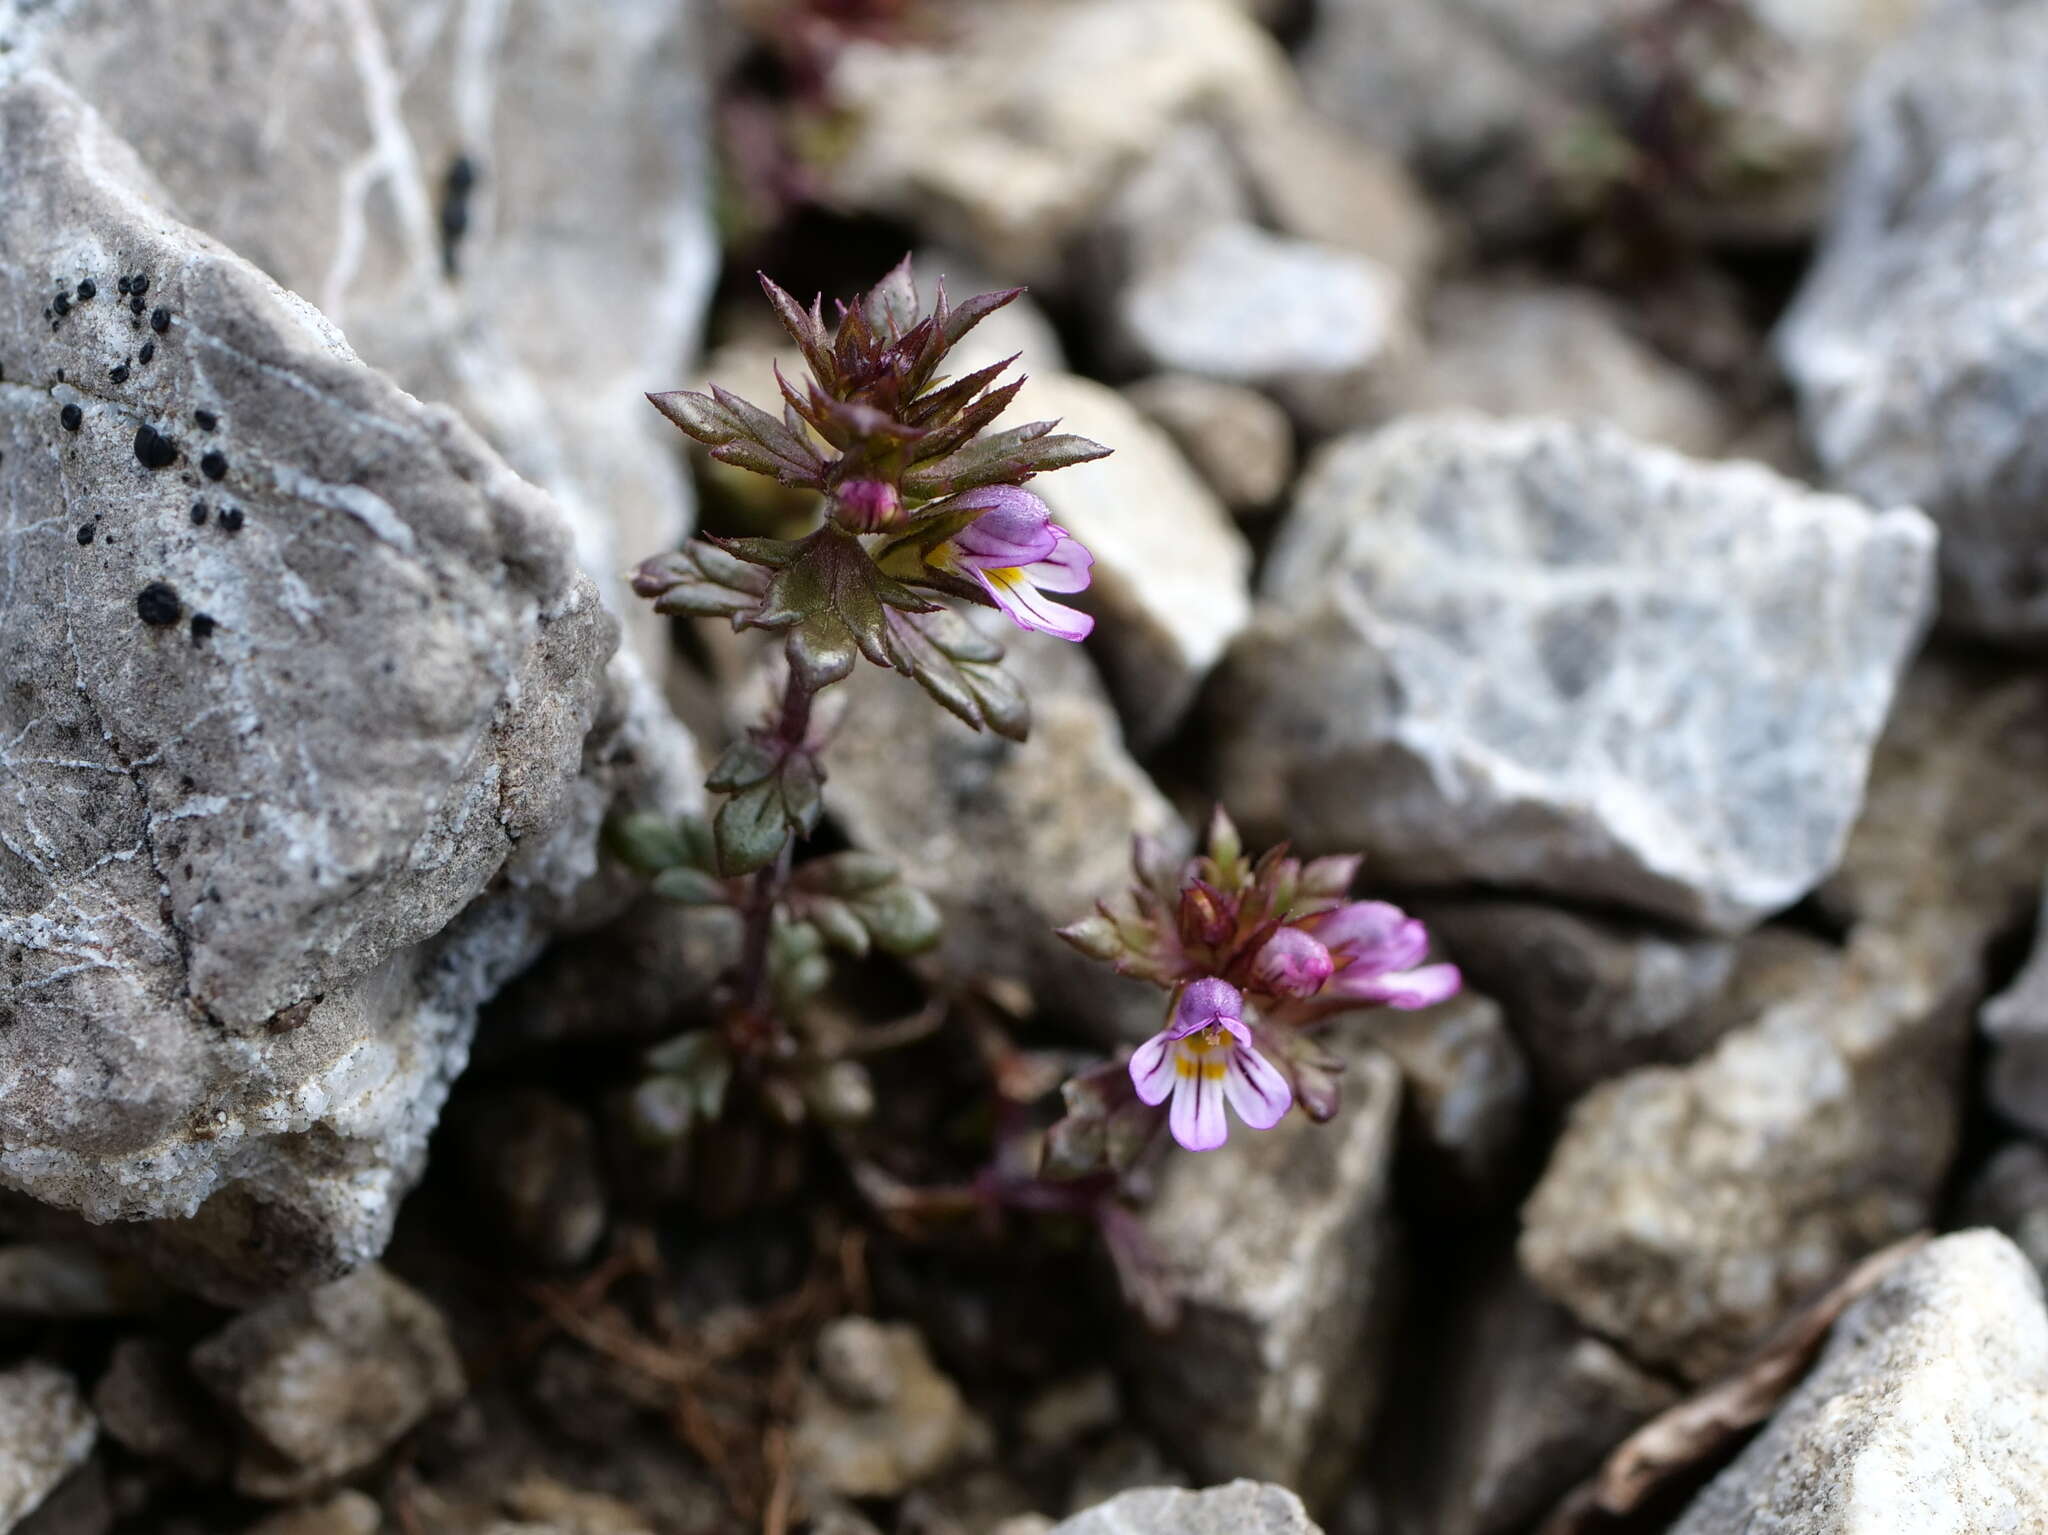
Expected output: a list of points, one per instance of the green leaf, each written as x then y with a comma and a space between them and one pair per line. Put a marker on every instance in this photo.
750, 829
844, 874
802, 800
647, 841
689, 887
702, 580
1096, 936
900, 918
1007, 458
959, 667
836, 921
821, 651
744, 762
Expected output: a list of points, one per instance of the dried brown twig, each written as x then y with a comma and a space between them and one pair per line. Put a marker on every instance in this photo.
1682, 1440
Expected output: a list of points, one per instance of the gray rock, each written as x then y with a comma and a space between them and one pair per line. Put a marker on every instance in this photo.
1927, 1411
70, 1281
1237, 439
1529, 1404
1476, 658
151, 1405
1589, 997
1518, 347
878, 1418
1240, 1508
1684, 1210
541, 302
263, 866
1285, 1258
1465, 1096
46, 1433
1172, 574
531, 1163
1910, 344
1189, 184
346, 1513
1523, 112
2011, 1193
2016, 1020
1005, 135
1314, 325
1011, 841
328, 1380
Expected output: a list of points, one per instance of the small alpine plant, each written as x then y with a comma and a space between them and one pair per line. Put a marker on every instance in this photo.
1255, 956
920, 509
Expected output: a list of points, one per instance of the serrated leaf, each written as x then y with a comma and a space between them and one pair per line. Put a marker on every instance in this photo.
958, 667
941, 402
944, 438
957, 322
1095, 936
750, 829
891, 305
806, 328
702, 581
821, 651
1007, 458
689, 887
742, 763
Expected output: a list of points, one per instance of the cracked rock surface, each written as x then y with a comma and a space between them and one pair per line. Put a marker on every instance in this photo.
298, 670
1478, 657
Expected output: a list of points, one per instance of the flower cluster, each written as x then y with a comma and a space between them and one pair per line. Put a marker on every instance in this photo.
1256, 955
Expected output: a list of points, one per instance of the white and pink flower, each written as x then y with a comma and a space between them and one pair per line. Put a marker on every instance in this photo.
1204, 1059
1018, 554
1376, 951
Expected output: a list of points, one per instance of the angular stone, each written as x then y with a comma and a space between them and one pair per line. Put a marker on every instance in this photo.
1476, 658
151, 1405
1517, 347
1465, 1096
508, 212
1004, 137
46, 1433
247, 855
1236, 439
1314, 325
1685, 1210
328, 1380
1285, 1255
878, 1418
2011, 1193
1908, 345
70, 1281
1011, 841
1172, 574
2016, 1020
1240, 1508
1590, 997
1529, 1405
1927, 1411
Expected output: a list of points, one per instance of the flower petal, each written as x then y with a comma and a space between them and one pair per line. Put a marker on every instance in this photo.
1211, 1000
1017, 597
1373, 936
1152, 1068
1014, 528
1196, 1118
1069, 568
1256, 1089
1292, 964
1403, 989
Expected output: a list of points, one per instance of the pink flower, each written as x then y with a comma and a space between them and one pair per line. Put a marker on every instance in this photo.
1204, 1058
1375, 948
1018, 553
1292, 964
867, 506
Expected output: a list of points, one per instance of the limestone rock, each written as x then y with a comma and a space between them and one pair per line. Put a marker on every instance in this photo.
1237, 439
1685, 1210
329, 1379
1239, 1508
1476, 658
1172, 573
1314, 325
1286, 1257
1465, 1096
1005, 133
1909, 344
152, 1406
1011, 841
295, 785
1528, 1404
1517, 347
2017, 1022
1588, 997
46, 1432
507, 211
70, 1281
2011, 1194
1927, 1411
879, 1418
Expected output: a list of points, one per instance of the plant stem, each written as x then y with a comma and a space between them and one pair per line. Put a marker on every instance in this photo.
792, 727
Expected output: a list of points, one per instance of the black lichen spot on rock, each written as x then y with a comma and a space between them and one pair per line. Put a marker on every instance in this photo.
138, 284
72, 417
153, 450
206, 420
202, 627
62, 303
88, 289
135, 304
214, 465
157, 604
118, 373
160, 320
198, 514
85, 532
231, 519
148, 352
456, 188
125, 283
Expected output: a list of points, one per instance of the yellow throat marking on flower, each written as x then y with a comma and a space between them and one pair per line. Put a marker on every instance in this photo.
1202, 1054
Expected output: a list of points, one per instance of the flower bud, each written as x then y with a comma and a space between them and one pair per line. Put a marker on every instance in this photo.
1292, 964
866, 506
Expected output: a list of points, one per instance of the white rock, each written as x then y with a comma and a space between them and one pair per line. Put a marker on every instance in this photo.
1477, 657
1237, 439
46, 1432
1240, 1508
1928, 1411
1911, 344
